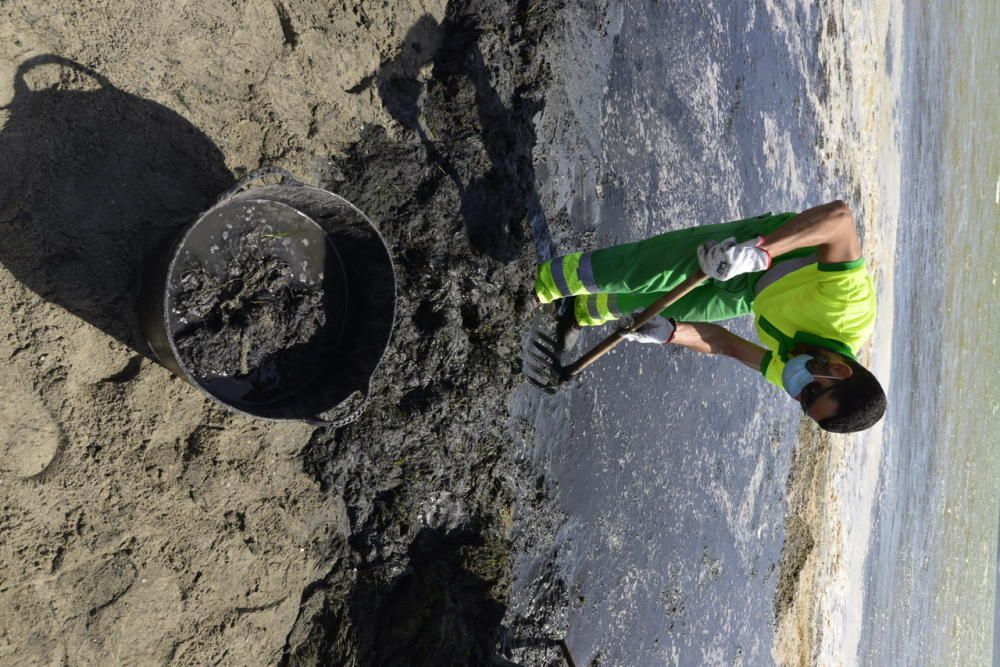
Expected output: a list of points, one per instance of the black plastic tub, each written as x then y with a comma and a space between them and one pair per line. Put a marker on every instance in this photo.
324, 244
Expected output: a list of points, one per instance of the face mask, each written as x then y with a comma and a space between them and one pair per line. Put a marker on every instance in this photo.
796, 376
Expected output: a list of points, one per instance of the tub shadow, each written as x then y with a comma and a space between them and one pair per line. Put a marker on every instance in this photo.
93, 180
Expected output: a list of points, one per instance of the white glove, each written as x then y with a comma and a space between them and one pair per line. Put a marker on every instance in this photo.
658, 330
728, 258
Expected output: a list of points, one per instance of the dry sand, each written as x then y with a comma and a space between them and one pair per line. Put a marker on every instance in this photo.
143, 524
140, 522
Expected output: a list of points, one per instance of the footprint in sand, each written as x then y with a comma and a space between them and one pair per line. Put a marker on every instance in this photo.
29, 436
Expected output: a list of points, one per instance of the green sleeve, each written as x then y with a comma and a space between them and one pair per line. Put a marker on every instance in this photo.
833, 267
771, 368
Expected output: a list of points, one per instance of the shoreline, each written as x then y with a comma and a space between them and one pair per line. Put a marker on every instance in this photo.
832, 498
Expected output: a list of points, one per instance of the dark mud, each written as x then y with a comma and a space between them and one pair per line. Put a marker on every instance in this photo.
427, 474
258, 323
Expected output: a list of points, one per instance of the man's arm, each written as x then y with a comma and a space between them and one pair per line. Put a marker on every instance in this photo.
829, 227
713, 339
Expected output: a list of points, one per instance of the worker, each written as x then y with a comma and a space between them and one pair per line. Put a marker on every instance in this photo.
801, 275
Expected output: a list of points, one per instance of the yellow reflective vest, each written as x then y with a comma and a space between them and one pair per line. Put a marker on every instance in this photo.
826, 305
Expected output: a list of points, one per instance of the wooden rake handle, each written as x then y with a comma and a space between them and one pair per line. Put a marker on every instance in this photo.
618, 335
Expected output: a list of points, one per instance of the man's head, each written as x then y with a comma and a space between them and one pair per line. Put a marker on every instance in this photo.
851, 399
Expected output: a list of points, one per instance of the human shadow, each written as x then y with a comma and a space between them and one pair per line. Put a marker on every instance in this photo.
428, 608
495, 205
437, 610
93, 180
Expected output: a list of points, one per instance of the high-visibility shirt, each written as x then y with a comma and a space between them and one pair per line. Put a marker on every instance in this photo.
826, 305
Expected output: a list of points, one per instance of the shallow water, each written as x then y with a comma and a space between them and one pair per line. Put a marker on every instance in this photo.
931, 573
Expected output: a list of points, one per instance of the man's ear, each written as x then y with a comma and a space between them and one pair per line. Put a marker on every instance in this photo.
841, 370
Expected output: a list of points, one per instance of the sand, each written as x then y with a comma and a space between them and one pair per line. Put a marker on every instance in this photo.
144, 524
141, 523
796, 596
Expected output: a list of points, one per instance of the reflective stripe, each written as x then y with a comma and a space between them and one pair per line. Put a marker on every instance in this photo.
613, 305
581, 309
594, 309
545, 286
559, 276
586, 273
602, 308
782, 269
595, 314
571, 270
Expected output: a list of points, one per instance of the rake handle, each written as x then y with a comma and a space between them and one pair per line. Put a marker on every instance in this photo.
618, 335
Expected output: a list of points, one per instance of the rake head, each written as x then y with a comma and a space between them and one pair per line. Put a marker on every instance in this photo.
541, 363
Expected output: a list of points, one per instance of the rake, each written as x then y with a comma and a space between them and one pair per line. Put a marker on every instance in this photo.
542, 364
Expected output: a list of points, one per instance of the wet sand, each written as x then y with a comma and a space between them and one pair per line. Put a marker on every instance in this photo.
144, 524
685, 517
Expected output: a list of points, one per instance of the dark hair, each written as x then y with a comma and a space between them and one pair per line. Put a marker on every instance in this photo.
861, 401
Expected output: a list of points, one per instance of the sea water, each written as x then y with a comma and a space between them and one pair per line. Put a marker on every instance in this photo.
931, 572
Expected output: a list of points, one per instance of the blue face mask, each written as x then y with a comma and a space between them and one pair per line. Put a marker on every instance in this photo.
796, 376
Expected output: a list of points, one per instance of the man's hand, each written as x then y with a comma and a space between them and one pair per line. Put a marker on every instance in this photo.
659, 330
728, 258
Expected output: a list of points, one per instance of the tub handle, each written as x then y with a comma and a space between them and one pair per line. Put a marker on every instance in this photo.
256, 175
348, 417
21, 86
